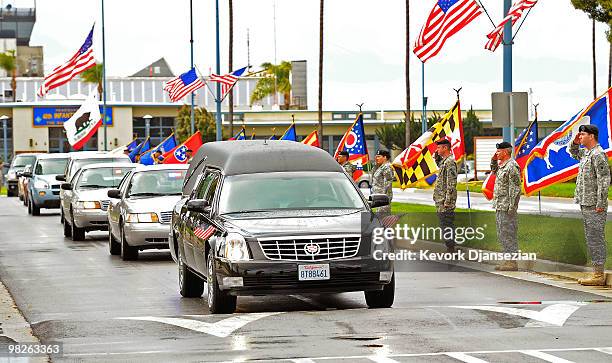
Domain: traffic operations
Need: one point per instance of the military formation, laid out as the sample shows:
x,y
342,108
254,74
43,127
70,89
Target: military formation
x,y
591,194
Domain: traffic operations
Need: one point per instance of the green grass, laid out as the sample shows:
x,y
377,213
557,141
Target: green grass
x,y
551,238
2,191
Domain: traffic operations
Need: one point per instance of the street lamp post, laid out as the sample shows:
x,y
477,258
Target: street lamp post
x,y
4,119
147,119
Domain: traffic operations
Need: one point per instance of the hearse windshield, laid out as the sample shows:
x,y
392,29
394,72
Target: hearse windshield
x,y
288,191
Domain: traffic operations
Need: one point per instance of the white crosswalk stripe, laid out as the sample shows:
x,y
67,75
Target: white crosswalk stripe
x,y
465,358
545,356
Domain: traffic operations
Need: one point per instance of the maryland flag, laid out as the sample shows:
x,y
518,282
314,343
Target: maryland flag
x,y
312,139
417,161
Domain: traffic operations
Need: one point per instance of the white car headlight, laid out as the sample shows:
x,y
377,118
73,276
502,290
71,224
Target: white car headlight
x,y
89,205
41,184
12,175
142,218
236,248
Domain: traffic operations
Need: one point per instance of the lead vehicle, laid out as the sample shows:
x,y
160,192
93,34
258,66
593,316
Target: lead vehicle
x,y
275,217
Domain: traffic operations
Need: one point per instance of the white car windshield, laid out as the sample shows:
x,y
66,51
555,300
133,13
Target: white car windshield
x,y
159,182
50,166
288,191
21,161
101,178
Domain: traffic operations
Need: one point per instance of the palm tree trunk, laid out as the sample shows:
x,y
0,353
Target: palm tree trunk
x,y
320,114
407,73
14,83
230,113
594,64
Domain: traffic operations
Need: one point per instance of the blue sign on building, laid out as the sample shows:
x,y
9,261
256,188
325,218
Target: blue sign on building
x,y
56,116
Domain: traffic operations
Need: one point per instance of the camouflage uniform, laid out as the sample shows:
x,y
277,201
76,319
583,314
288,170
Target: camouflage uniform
x,y
506,196
591,193
445,197
349,169
382,183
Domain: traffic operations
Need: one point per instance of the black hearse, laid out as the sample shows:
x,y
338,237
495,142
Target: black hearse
x,y
268,217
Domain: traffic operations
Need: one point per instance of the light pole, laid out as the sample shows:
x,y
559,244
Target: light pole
x,y
147,119
104,82
192,118
218,122
4,119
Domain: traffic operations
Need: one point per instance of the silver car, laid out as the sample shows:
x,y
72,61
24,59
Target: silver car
x,y
78,159
85,200
141,208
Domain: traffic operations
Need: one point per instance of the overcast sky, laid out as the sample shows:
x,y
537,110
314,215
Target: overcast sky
x,y
364,49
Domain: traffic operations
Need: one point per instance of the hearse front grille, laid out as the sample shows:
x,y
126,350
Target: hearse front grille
x,y
310,248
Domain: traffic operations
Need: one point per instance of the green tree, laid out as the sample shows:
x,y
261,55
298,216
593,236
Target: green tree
x,y
204,122
9,64
94,75
471,127
276,79
394,136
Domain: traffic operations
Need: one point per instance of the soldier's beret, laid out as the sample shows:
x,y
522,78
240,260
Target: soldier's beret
x,y
503,145
589,129
343,153
384,153
443,142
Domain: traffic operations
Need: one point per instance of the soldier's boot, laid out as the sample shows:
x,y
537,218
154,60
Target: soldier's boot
x,y
507,266
597,278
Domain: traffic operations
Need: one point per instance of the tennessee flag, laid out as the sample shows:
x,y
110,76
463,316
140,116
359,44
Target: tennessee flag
x,y
178,155
354,143
312,139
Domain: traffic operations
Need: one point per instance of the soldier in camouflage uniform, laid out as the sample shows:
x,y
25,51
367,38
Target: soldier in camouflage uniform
x,y
506,196
349,168
592,196
445,192
382,178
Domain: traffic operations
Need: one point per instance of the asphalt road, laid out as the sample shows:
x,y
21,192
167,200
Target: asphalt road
x,y
103,309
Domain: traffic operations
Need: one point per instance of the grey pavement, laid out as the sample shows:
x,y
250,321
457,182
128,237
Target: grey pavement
x,y
103,309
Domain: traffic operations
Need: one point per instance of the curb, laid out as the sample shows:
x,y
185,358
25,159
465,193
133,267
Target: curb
x,y
543,267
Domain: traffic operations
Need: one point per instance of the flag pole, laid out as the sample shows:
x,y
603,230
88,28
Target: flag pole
x,y
424,113
218,100
104,82
191,46
467,181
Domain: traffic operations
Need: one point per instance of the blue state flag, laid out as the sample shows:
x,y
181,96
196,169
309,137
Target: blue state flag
x,y
550,162
132,144
290,134
168,144
145,145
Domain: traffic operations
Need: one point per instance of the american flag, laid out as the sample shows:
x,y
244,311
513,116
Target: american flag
x,y
183,85
81,61
514,14
227,81
204,233
446,19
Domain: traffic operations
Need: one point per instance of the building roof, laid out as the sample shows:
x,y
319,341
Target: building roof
x,y
258,156
159,68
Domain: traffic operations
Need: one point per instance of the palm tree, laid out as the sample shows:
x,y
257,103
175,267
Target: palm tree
x,y
276,77
407,72
320,113
94,75
9,64
231,65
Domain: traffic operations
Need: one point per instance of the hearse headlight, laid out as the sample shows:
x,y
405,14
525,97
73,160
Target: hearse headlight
x,y
89,205
236,248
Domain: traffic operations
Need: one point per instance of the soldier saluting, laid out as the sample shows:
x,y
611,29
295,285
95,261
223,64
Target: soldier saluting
x,y
445,191
506,196
382,178
592,195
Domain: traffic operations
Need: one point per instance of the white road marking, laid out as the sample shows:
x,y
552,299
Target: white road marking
x,y
604,350
381,359
545,356
465,358
222,328
555,315
303,360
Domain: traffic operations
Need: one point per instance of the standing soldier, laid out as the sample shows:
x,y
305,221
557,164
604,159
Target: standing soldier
x,y
382,178
157,157
506,196
349,168
592,196
445,192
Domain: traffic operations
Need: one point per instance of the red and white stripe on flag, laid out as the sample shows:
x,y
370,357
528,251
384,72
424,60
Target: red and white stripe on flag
x,y
82,60
204,233
446,19
514,14
227,81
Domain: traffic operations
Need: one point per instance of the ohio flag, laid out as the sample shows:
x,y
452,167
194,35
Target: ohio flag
x,y
354,143
550,161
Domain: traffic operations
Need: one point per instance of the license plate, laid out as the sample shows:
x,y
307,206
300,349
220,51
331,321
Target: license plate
x,y
313,272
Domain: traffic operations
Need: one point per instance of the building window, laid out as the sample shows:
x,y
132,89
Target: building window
x,y
160,128
58,143
9,140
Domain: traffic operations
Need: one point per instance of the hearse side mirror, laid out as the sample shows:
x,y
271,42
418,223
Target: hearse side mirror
x,y
66,186
60,178
198,206
378,200
114,193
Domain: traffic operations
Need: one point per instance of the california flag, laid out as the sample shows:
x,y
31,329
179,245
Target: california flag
x,y
84,123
